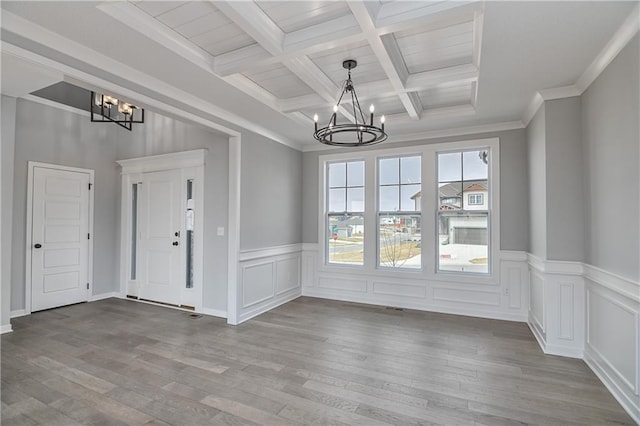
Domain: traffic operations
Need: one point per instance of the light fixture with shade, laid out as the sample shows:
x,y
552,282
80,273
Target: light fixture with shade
x,y
356,133
108,109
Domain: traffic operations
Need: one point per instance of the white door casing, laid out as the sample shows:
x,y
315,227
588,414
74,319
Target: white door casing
x,y
151,175
160,222
58,243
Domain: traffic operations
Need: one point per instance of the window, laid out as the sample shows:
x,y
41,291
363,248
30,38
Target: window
x,y
373,204
476,199
463,231
345,212
399,218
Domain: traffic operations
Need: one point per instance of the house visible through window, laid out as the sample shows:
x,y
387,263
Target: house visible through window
x,y
463,234
399,235
345,212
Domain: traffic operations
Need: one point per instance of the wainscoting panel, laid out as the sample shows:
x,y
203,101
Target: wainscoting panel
x,y
502,296
613,337
537,300
268,278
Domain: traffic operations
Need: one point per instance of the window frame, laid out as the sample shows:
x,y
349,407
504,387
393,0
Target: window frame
x,y
329,213
380,213
429,217
475,196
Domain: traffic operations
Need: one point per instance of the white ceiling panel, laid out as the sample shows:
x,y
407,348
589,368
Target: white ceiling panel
x,y
155,8
439,97
429,50
185,13
293,16
368,69
279,81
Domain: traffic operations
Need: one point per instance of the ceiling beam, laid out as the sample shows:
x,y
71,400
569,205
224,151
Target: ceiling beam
x,y
308,72
252,20
388,53
341,31
448,77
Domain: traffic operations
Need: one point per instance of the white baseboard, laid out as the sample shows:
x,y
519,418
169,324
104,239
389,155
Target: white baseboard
x,y
213,312
558,350
273,303
600,370
18,313
328,294
5,329
102,296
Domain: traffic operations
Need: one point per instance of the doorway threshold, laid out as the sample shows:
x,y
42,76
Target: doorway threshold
x,y
167,305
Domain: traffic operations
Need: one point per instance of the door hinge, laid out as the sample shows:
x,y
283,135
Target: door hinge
x,y
88,236
90,185
87,286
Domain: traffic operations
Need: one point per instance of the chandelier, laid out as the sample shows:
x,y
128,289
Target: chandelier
x,y
106,108
357,133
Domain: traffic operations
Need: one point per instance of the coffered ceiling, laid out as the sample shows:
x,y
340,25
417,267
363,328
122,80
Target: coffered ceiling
x,y
271,65
414,58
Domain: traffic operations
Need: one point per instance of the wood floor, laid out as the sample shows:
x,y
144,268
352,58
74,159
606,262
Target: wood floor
x,y
310,361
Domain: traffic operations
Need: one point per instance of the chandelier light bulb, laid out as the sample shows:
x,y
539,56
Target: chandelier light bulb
x,y
357,130
315,118
382,119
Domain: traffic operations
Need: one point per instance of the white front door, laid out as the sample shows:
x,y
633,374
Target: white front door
x,y
160,242
59,238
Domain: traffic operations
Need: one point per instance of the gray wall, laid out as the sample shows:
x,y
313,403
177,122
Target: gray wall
x,y
64,138
8,107
270,194
565,189
610,134
514,199
536,158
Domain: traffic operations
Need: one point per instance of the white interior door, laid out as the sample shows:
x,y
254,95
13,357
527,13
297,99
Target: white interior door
x,y
59,238
160,242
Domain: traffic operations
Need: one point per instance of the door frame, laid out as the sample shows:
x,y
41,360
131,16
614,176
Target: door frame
x,y
131,171
31,165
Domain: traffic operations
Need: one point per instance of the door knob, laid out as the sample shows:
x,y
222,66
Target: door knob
x,y
175,243
37,245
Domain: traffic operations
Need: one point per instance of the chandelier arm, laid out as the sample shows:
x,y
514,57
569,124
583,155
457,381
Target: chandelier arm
x,y
355,95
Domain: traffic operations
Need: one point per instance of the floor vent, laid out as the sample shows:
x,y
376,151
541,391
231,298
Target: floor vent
x,y
394,309
194,316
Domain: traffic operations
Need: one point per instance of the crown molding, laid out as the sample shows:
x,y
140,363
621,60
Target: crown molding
x,y
620,39
435,134
151,85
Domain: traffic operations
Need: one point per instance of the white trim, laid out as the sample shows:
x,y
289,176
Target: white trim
x,y
549,349
624,286
614,46
532,108
213,312
233,241
190,164
52,104
269,306
103,296
513,255
155,163
595,364
269,251
324,293
18,313
5,329
556,267
622,36
29,226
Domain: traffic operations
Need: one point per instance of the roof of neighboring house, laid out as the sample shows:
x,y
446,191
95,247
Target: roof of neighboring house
x,y
451,189
356,220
